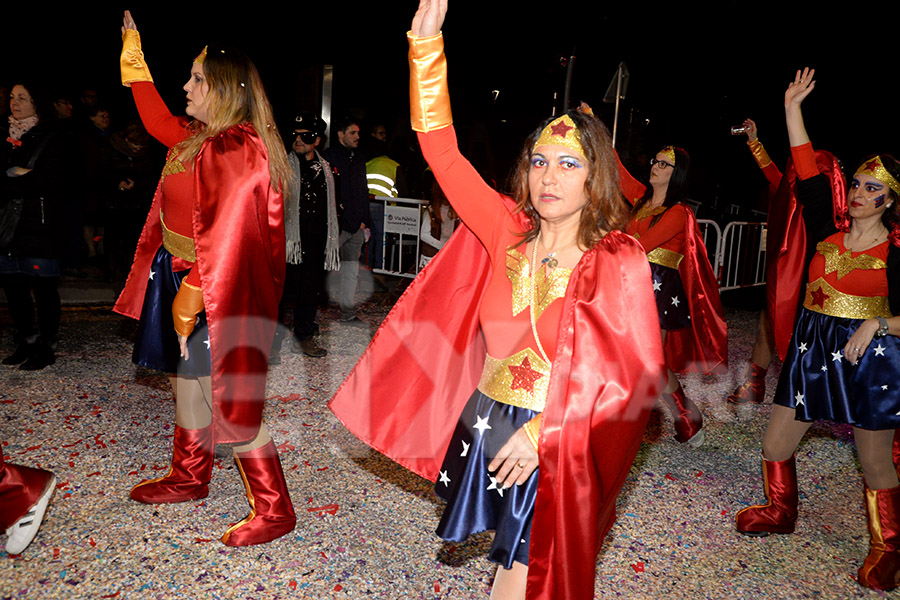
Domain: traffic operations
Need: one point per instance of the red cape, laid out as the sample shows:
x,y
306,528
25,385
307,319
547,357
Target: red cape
x,y
238,227
408,389
702,347
786,245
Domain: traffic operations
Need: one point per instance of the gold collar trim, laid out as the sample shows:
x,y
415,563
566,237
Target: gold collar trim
x,y
846,262
551,283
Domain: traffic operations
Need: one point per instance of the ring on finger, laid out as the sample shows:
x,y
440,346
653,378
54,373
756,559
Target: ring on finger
x,y
520,465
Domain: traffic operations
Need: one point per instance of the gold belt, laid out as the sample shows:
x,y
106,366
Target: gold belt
x,y
177,244
519,380
823,298
666,258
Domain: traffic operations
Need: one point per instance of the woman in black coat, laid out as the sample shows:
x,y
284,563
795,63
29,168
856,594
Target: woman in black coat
x,y
35,160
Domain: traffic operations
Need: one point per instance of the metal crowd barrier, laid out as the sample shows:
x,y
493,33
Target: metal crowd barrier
x,y
400,242
742,258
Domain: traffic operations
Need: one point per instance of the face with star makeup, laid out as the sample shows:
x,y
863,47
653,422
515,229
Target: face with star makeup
x,y
556,182
868,196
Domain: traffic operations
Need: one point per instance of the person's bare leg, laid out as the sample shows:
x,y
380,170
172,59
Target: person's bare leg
x,y
874,449
193,401
262,438
509,584
783,434
764,346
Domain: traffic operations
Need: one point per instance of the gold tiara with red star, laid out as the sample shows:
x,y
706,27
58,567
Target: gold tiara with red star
x,y
875,168
669,152
562,132
201,58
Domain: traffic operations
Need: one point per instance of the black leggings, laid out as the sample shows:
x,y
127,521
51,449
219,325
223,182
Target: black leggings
x,y
18,289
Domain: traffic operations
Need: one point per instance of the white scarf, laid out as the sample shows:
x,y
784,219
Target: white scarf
x,y
292,216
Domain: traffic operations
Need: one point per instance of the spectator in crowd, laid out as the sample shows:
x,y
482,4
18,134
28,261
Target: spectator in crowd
x,y
355,220
37,161
384,177
129,183
94,142
313,237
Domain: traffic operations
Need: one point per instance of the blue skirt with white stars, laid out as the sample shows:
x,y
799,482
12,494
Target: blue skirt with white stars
x,y
671,300
156,343
821,384
475,501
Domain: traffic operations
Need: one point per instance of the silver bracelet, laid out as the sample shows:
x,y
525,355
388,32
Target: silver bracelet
x,y
882,327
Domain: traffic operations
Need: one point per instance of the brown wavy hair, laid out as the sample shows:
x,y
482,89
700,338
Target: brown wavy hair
x,y
606,209
236,95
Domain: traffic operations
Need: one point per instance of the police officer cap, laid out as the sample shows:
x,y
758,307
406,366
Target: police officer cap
x,y
310,122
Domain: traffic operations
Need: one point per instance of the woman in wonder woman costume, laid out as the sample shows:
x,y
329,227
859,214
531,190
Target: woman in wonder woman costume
x,y
685,287
543,307
843,362
207,278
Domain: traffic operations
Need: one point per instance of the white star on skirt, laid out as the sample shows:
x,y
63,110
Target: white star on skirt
x,y
482,424
495,485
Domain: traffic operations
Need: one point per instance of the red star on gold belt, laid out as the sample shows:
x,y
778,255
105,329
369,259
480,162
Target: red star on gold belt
x,y
524,376
819,297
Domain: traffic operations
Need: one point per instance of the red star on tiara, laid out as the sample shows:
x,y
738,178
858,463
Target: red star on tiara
x,y
872,165
561,129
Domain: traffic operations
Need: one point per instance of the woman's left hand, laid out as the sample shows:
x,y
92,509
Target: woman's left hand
x,y
860,340
516,460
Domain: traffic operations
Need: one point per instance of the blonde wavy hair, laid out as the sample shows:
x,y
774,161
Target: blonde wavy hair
x,y
236,95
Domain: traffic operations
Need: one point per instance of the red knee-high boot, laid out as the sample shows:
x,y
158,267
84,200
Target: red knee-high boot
x,y
754,387
687,416
779,513
881,570
188,478
271,512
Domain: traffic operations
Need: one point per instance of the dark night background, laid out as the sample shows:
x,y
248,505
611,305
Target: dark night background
x,y
694,72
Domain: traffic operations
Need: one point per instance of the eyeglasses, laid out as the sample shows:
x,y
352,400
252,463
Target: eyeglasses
x,y
663,165
307,137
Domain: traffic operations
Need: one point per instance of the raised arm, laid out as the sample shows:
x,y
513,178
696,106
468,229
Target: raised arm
x,y
479,206
769,169
801,148
159,122
632,189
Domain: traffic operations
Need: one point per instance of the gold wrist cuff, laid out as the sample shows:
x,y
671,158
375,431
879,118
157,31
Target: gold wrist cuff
x,y
429,99
187,305
533,430
760,154
131,61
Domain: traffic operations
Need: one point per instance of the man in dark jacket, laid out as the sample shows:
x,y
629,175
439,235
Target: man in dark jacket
x,y
353,200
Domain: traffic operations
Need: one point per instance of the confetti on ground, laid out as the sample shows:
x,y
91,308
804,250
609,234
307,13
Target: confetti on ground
x,y
103,425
